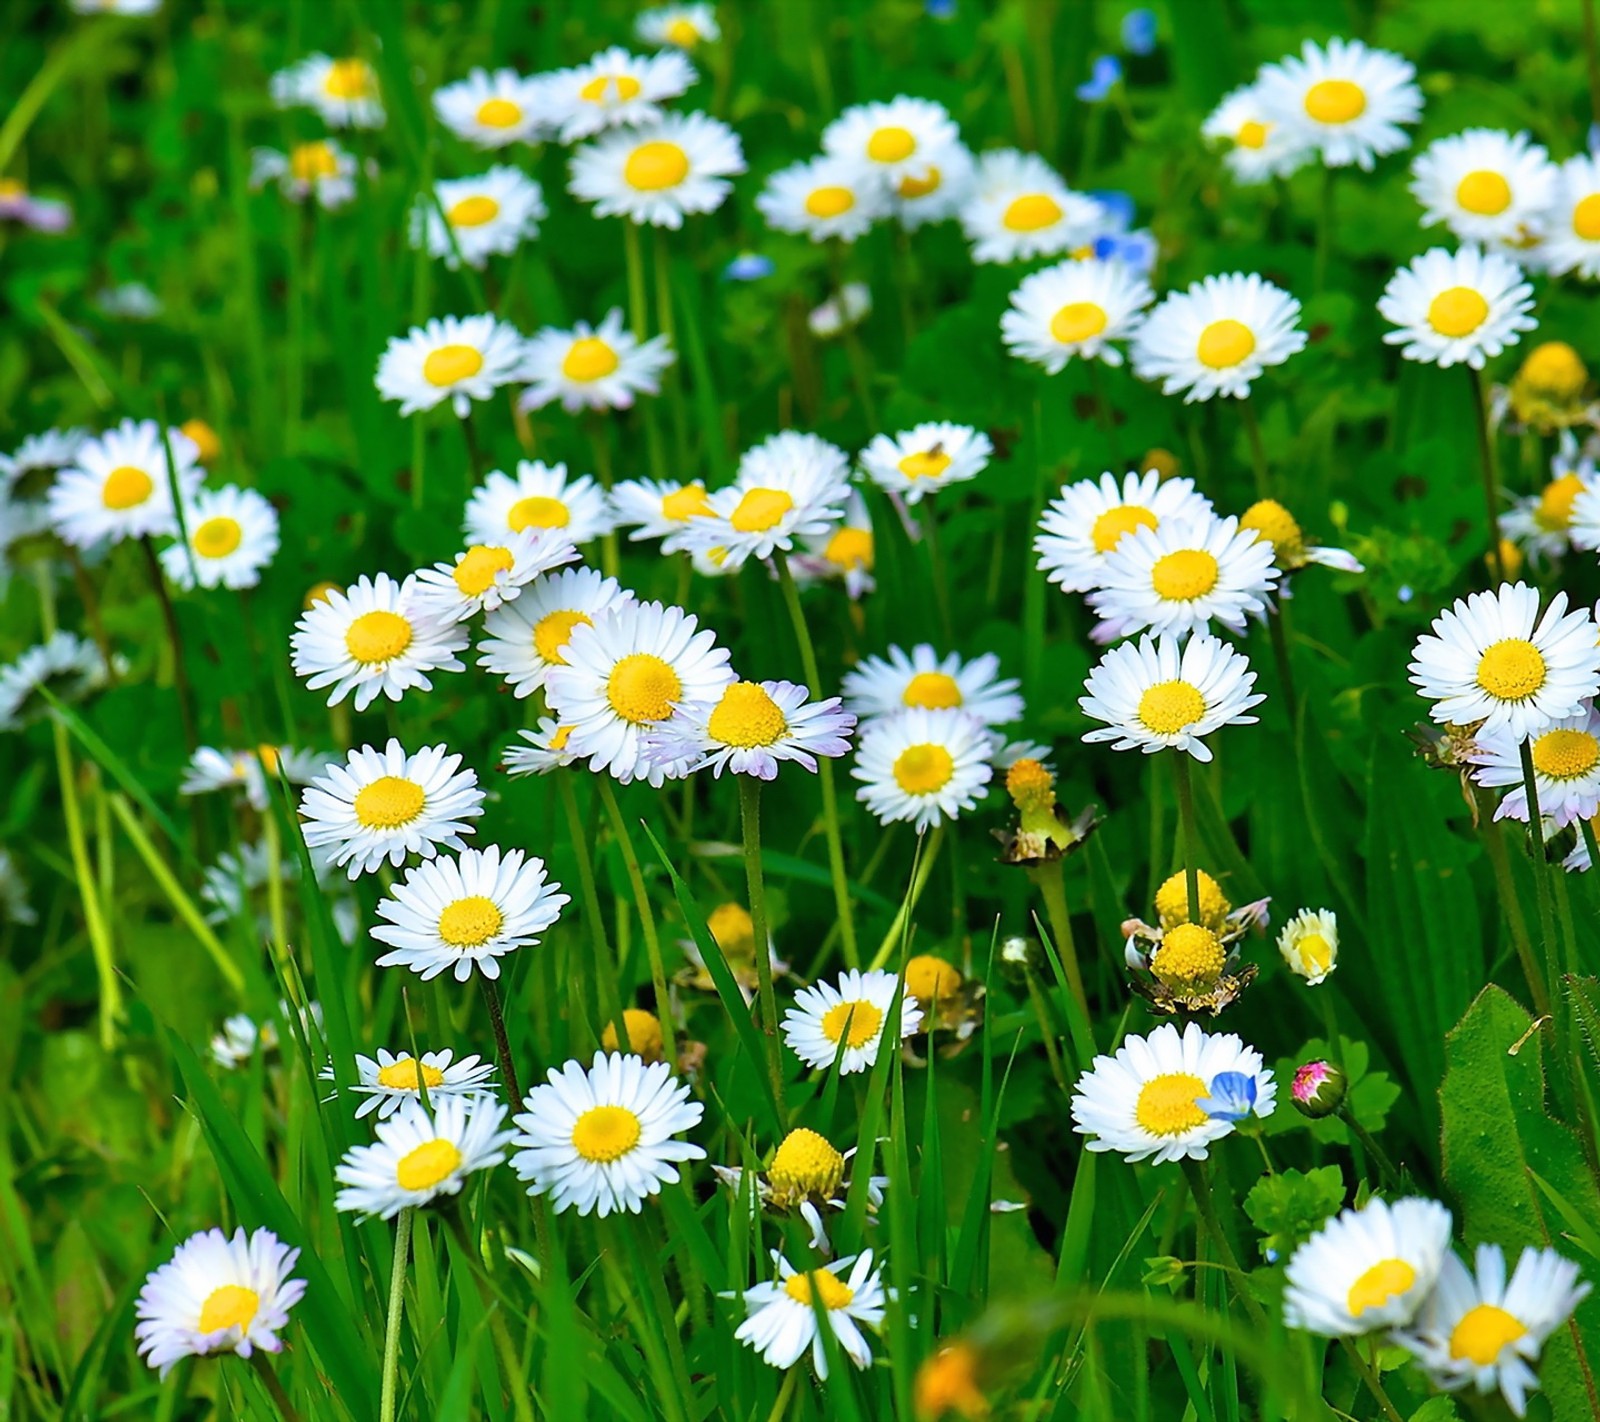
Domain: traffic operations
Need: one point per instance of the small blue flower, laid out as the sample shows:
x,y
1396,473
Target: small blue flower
x,y
1135,250
748,266
1233,1096
1139,31
940,9
1594,138
1104,77
1118,205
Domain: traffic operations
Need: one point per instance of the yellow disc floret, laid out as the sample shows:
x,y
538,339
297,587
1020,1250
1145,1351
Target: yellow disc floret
x,y
1172,901
1190,956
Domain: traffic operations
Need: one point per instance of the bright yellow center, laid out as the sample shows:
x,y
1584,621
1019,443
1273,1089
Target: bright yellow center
x,y
1484,1333
537,511
654,166
1251,134
1553,367
1172,901
1315,952
924,464
1384,1281
377,636
428,1165
1484,192
933,690
862,1017
644,1033
1274,524
605,1133
929,978
473,211
1335,101
1225,343
449,364
682,33
830,201
746,716
589,358
824,1284
1078,321
1170,706
916,187
1110,527
553,631
642,688
126,487
686,503
231,1306
622,87
1184,575
558,741
1554,510
760,509
499,113
1030,212
1565,754
850,548
1028,781
217,537
348,79
268,756
470,922
891,145
805,1165
733,929
1457,311
1189,954
1511,670
1166,1105
476,572
923,769
1586,218
389,802
310,161
407,1074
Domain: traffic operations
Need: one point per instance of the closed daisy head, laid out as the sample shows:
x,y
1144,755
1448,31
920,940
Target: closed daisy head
x,y
387,1082
1344,100
1157,696
1309,944
790,486
1566,768
1454,307
658,508
489,575
472,219
1151,1100
883,686
344,92
1256,147
922,766
677,165
455,358
218,1295
1075,308
823,198
527,639
120,484
781,1315
845,1022
1571,226
232,535
1021,208
614,89
918,461
750,729
491,110
1090,519
604,1140
1217,337
1484,185
539,496
420,1155
592,367
322,169
891,141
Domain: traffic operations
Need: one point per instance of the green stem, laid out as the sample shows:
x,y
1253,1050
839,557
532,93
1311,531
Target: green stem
x,y
785,1394
269,1380
1541,870
391,1332
516,1383
927,856
941,584
1491,477
1280,654
1051,882
1191,866
180,673
89,895
1103,412
1319,270
1258,450
1370,1377
502,1043
750,825
1370,1144
1200,1188
608,1002
1494,845
634,256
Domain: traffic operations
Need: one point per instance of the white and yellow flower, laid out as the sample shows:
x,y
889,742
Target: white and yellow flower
x,y
750,729
1256,147
1566,768
1570,230
389,1081
1088,520
526,640
1564,514
232,537
1075,308
1217,337
1309,944
1346,101
846,552
539,497
420,1156
681,26
321,169
592,367
343,91
120,484
845,1023
824,198
491,110
659,508
781,1314
489,575
916,462
922,766
69,667
883,686
938,191
455,358
678,165
1451,307
545,749
791,486
472,219
253,771
891,141
1021,208
1485,185
613,89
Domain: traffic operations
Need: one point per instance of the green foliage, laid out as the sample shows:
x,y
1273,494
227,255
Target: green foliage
x,y
1290,1206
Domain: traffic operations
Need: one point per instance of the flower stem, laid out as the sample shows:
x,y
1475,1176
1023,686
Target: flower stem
x,y
180,674
1280,654
391,1332
1050,879
1541,870
1191,867
502,1043
1373,1382
1491,477
88,892
750,825
1103,411
1200,1188
269,1380
607,1001
1369,1144
1258,451
516,1385
637,309
1325,223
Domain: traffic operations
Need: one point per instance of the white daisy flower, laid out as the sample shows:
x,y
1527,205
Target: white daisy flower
x,y
938,191
1090,519
613,89
603,1141
916,462
891,141
1152,1098
28,471
1369,1269
526,640
1157,696
491,110
1347,101
883,686
1021,208
321,169
232,537
242,1036
66,665
624,672
1566,768
455,358
922,766
1456,306
844,1022
218,1295
373,639
14,905
488,576
490,215
236,890
343,91
119,484
1571,226
1491,658
115,7
253,771
1182,574
781,1315
418,1157
847,307
1477,1328
1075,308
681,26
656,508
539,497
750,729
467,912
1217,337
824,198
389,1082
1484,185
1258,148
546,750
1564,514
592,367
1309,944
678,165
381,806
846,552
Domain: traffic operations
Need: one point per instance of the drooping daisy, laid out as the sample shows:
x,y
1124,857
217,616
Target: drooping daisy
x,y
490,215
253,771
1157,696
1089,520
218,1295
526,640
679,164
343,91
655,508
845,1022
419,1155
1566,768
540,496
232,537
1147,1100
1075,308
1257,149
1564,514
750,729
592,367
455,358
1456,306
604,1140
613,89
1217,337
846,552
1477,1328
1347,101
1491,658
1021,208
624,671
891,141
1369,1269
388,1082
69,667
1309,944
882,686
922,766
489,575
938,191
824,198
375,640
1292,549
120,485
491,110
1484,185
1182,574
467,912
1571,226
916,462
384,805
322,169
781,1315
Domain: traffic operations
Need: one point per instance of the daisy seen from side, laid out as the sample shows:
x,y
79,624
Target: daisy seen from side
x,y
254,771
781,1314
321,169
681,26
883,686
658,508
610,90
421,1154
343,91
1309,944
751,729
388,1081
1571,226
489,575
1566,768
1256,148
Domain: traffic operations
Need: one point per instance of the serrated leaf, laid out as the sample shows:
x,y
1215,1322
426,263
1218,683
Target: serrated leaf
x,y
1289,1207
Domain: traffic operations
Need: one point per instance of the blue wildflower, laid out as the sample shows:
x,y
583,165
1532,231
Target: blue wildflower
x,y
1119,207
1105,76
1233,1096
748,266
1139,31
940,9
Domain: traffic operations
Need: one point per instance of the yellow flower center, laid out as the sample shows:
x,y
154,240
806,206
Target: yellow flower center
x,y
1511,670
553,631
1553,367
642,688
1484,192
1225,343
377,636
915,187
830,201
407,1074
625,87
654,166
1110,527
805,1165
1170,706
1252,134
389,802
499,113
348,79
1274,524
1315,952
428,1165
934,690
589,358
217,537
310,161
126,487
1554,510
470,922
605,1133
746,716
1565,754
1384,1281
923,769
558,740
1078,321
822,1284
1586,218
1172,901
1166,1104
231,1306
924,464
476,572
861,1017
1030,212
850,548
1028,781
682,33
1483,1333
644,1033
1184,575
1335,101
268,756
1457,311
929,978
205,439
473,211
760,509
537,511
891,145
733,929
449,364
1189,954
686,503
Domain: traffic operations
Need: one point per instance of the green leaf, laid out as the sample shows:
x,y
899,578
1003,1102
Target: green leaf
x,y
1290,1206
